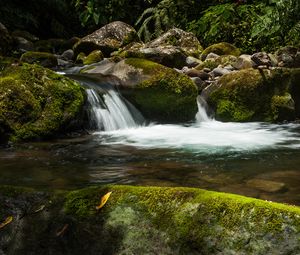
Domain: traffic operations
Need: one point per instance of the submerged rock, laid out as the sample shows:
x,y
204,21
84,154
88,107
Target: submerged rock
x,y
108,38
266,185
36,103
159,92
145,220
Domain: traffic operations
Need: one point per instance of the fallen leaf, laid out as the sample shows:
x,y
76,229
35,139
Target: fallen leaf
x,y
103,200
7,221
63,230
41,208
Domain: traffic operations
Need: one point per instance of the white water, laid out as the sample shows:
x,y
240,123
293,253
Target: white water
x,y
205,135
111,113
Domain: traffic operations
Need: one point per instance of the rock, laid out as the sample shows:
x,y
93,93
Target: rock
x,y
256,95
37,103
6,41
261,59
170,49
108,38
80,58
273,59
192,62
68,55
287,57
222,61
42,58
51,45
212,55
220,71
197,73
222,48
26,35
160,93
199,83
145,220
94,57
243,62
23,44
266,185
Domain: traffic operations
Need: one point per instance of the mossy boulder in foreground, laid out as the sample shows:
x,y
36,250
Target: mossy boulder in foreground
x,y
145,220
256,95
36,102
159,92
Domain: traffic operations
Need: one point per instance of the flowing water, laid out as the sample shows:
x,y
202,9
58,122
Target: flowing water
x,y
255,159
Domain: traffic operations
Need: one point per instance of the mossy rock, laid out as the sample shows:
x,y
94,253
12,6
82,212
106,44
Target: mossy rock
x,y
222,48
6,41
37,103
94,57
145,220
256,95
166,95
42,58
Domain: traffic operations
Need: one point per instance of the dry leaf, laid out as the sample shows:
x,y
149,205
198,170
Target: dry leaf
x,y
103,200
63,230
7,221
41,208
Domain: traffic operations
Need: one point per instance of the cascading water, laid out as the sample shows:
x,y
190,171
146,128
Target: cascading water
x,y
202,110
109,113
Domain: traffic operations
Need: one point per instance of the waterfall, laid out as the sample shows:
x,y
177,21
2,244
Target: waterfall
x,y
111,112
202,115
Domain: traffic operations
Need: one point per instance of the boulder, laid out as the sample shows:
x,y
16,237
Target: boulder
x,y
288,56
160,93
67,55
37,103
109,38
44,59
26,35
256,95
145,220
170,49
6,41
192,61
23,44
261,59
222,48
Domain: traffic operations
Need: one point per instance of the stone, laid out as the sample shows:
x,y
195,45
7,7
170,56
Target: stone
x,y
42,58
243,62
36,103
266,185
222,48
192,62
68,55
108,38
23,44
261,59
94,57
220,71
212,55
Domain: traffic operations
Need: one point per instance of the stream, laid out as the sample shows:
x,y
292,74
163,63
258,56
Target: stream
x,y
259,160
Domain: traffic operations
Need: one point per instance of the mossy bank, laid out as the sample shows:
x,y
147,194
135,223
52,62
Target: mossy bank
x,y
145,220
36,103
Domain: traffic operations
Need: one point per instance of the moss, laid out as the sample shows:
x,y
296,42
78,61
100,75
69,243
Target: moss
x,y
166,96
222,48
253,95
36,102
94,57
154,220
42,58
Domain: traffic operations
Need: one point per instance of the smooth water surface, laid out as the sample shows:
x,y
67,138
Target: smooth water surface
x,y
229,157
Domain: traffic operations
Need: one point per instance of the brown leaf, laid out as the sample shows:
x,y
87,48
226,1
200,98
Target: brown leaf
x,y
103,200
8,220
63,230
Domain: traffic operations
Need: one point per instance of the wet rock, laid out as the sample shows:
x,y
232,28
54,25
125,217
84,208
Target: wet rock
x,y
266,185
240,189
108,38
199,83
94,57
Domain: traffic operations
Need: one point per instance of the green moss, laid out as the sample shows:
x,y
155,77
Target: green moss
x,y
222,48
94,57
253,95
36,102
42,58
166,96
